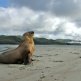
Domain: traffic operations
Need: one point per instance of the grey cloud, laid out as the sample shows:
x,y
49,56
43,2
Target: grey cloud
x,y
66,7
61,8
57,7
33,4
77,22
60,29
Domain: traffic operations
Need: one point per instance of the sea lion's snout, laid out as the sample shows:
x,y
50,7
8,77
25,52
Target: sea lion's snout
x,y
31,32
28,33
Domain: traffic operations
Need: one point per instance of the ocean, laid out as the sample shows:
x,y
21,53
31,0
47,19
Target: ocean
x,y
5,47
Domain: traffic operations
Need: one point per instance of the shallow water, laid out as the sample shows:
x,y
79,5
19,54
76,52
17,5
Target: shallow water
x,y
41,47
6,47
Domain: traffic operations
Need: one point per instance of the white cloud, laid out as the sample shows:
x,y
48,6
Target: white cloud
x,y
14,21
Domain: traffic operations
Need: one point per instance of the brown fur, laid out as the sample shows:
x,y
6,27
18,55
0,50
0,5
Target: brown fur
x,y
22,54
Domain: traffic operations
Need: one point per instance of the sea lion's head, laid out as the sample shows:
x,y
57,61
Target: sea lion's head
x,y
28,35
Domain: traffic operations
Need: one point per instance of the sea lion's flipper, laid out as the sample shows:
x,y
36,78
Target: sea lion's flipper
x,y
27,59
1,59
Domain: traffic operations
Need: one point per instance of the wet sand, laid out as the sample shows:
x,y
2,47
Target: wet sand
x,y
52,63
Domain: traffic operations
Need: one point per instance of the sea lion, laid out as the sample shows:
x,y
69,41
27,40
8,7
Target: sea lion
x,y
22,54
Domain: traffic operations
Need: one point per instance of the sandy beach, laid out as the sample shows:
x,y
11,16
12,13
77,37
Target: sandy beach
x,y
52,63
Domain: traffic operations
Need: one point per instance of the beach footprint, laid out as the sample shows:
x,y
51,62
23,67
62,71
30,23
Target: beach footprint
x,y
42,76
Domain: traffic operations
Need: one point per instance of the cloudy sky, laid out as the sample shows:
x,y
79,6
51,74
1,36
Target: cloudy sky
x,y
48,18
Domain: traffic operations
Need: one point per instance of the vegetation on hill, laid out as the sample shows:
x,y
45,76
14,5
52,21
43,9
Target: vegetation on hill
x,y
10,39
16,40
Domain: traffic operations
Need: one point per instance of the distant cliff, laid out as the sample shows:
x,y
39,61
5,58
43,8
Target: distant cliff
x,y
41,41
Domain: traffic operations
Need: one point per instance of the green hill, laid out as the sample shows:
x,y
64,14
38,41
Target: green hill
x,y
41,41
10,39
